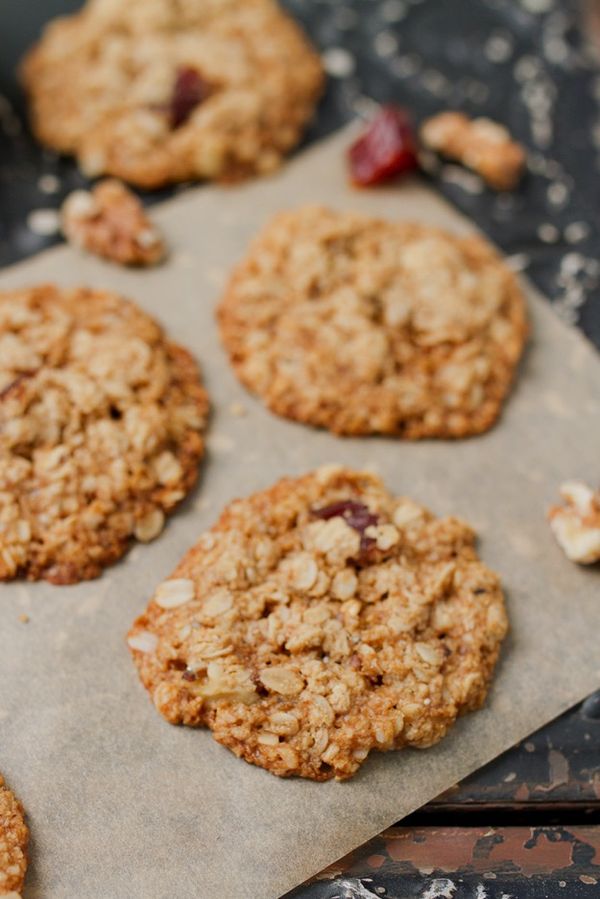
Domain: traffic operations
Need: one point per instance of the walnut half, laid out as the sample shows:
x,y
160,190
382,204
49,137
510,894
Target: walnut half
x,y
576,524
110,221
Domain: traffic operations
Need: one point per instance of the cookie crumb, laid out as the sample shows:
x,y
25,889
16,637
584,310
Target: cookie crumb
x,y
479,144
110,222
576,523
238,409
23,618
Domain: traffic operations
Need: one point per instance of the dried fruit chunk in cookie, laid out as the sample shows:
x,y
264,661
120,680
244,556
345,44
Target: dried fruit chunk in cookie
x,y
14,837
110,221
101,421
480,144
319,620
160,91
576,524
366,326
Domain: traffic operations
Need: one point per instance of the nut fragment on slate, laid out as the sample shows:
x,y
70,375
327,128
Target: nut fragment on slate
x,y
576,524
14,837
479,144
323,619
110,221
101,424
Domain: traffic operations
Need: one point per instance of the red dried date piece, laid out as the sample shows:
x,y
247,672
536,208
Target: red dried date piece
x,y
356,515
189,91
387,148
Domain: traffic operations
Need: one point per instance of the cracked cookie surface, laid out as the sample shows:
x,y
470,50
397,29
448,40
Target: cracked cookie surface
x,y
321,619
101,421
14,837
365,326
162,91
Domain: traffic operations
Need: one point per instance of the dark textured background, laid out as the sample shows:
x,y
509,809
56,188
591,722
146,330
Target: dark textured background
x,y
524,62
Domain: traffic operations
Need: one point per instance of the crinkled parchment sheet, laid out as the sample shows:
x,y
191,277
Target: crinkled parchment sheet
x,y
123,805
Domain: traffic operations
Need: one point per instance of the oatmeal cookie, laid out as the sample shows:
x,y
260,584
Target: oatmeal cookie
x,y
479,144
110,221
160,91
14,836
365,326
321,619
101,421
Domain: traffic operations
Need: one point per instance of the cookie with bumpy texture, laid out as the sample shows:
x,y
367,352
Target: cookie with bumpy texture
x,y
366,326
160,91
101,421
319,620
14,837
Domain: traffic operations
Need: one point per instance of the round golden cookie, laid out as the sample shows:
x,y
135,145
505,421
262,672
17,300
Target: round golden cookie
x,y
101,421
159,91
365,326
14,837
319,620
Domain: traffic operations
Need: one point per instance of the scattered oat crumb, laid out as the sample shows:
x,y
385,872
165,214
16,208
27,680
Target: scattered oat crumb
x,y
111,222
576,524
23,618
238,409
43,222
479,144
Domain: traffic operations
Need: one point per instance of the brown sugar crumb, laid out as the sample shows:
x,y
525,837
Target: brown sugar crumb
x,y
479,144
110,221
14,837
301,648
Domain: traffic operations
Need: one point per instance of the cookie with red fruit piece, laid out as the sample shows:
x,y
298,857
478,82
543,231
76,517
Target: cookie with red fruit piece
x,y
320,620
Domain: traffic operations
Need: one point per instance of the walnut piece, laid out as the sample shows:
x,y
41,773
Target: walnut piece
x,y
479,144
110,221
576,524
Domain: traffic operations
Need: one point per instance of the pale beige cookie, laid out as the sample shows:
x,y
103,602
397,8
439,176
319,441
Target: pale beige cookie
x,y
480,144
110,221
366,326
14,837
101,421
159,91
319,620
576,524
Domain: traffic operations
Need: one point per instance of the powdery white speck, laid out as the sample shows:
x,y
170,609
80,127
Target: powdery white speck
x,y
440,888
548,233
43,222
385,44
338,62
537,7
49,184
393,10
576,231
435,82
498,48
468,181
558,193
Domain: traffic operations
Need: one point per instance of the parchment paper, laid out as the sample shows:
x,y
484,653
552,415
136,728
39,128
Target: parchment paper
x,y
125,806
